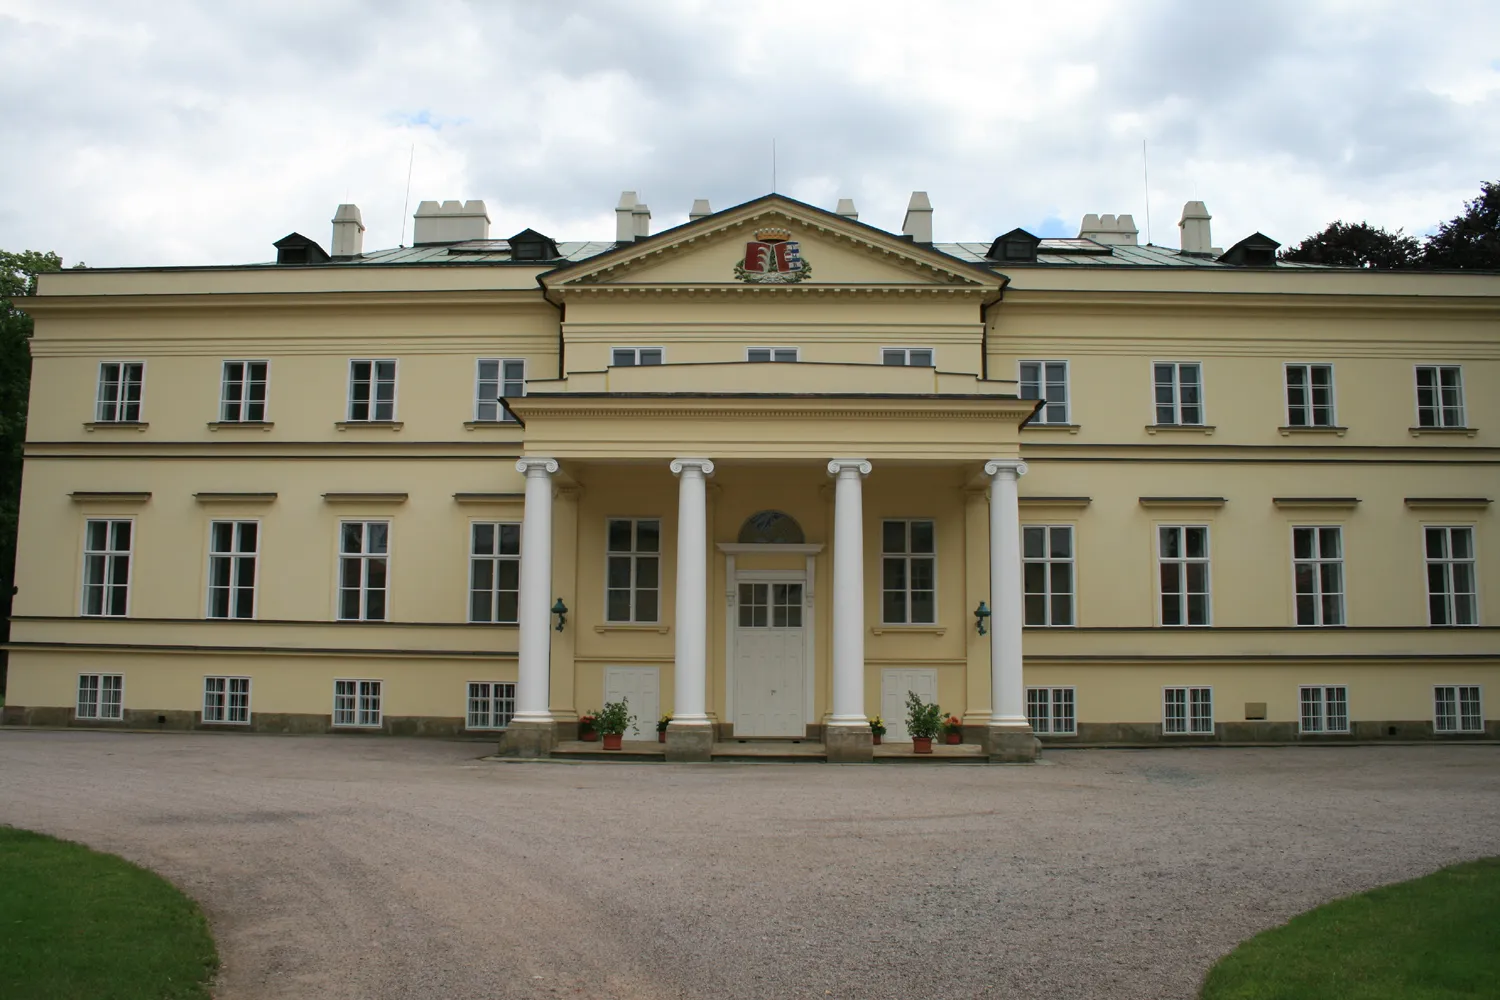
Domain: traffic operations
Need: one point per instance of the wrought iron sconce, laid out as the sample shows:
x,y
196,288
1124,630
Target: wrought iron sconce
x,y
561,611
981,613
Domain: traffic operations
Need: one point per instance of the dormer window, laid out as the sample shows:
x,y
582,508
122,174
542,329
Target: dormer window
x,y
1017,245
529,244
294,248
1255,250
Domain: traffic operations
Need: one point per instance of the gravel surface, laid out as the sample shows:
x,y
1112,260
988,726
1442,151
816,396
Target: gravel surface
x,y
358,867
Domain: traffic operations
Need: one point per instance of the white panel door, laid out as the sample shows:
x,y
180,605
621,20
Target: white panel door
x,y
895,682
770,659
640,687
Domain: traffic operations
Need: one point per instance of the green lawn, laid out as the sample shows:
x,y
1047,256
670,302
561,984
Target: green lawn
x,y
79,925
1433,938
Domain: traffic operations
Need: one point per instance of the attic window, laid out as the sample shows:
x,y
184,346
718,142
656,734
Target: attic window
x,y
1016,245
294,248
1255,250
529,244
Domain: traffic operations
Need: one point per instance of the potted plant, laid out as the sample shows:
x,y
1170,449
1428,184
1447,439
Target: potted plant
x,y
953,730
588,730
613,720
923,720
877,729
661,727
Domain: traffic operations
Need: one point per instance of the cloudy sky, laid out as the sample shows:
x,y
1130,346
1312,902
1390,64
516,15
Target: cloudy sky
x,y
158,132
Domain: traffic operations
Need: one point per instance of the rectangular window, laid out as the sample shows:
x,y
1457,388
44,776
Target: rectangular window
x,y
908,573
1050,710
1188,710
633,570
1183,558
911,357
494,571
1179,393
232,550
1440,396
1309,395
498,377
242,393
1048,574
1318,571
119,399
226,700
1325,709
629,357
1456,709
491,704
372,390
771,354
1046,380
106,567
364,554
356,703
1452,597
101,696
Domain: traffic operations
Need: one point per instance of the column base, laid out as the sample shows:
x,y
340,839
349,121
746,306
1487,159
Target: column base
x,y
1012,745
528,739
849,744
690,741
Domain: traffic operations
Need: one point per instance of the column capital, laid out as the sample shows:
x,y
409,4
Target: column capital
x,y
681,465
839,466
532,464
1012,468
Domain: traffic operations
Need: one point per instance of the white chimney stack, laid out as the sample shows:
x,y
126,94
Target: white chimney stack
x,y
641,213
918,221
1109,229
700,210
624,221
348,232
451,222
1196,237
846,209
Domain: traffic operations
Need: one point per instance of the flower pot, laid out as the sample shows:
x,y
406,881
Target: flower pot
x,y
876,738
954,739
589,736
612,740
661,737
921,744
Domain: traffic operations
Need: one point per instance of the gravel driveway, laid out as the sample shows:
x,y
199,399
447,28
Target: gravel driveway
x,y
336,867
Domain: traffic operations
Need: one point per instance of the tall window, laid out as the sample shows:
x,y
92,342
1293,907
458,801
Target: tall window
x,y
629,357
771,354
1179,393
364,554
1048,574
1050,710
101,696
911,357
226,700
1456,709
494,571
491,704
1325,709
1440,396
498,377
242,393
1046,380
356,703
1451,589
1318,569
908,573
372,390
119,400
232,550
1188,710
1309,395
1183,556
633,573
106,567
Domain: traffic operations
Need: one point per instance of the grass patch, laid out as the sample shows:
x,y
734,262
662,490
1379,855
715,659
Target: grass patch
x,y
77,924
1433,938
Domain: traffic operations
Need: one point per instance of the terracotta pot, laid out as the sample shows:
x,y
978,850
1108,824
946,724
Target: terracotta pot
x,y
955,738
876,738
589,737
661,737
612,740
921,744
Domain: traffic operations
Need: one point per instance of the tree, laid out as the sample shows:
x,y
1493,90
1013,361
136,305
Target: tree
x,y
1470,241
1358,245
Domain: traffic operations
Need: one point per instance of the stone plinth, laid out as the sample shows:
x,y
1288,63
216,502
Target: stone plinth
x,y
849,744
1012,745
690,741
528,739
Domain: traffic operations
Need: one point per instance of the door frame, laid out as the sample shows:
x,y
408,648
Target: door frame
x,y
732,578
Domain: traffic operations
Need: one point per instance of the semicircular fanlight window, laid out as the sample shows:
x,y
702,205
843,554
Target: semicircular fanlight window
x,y
771,527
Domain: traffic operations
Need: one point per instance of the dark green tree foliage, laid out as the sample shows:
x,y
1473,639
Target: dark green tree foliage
x,y
1358,244
1470,241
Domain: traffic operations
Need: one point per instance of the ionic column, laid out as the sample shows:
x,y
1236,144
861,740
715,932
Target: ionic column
x,y
847,734
531,731
690,733
1010,734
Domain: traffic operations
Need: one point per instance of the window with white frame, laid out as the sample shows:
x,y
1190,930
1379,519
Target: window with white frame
x,y
1325,709
1440,396
1046,380
1452,597
633,570
1178,390
497,377
1188,710
233,547
1456,709
372,390
630,357
1183,557
771,354
1309,395
491,704
242,392
911,357
364,559
1047,573
356,703
1318,574
101,696
908,572
106,567
226,700
1051,710
494,570
119,399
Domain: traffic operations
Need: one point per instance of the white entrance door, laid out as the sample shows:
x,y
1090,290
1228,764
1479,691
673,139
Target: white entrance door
x,y
770,657
640,688
895,682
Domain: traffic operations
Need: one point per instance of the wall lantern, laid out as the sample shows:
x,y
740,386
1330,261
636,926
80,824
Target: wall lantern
x,y
980,614
561,611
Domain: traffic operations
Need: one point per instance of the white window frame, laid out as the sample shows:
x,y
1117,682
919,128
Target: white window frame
x,y
1177,404
637,355
121,385
1192,721
358,709
1457,691
1437,371
906,353
110,555
1317,561
235,557
98,687
493,696
364,556
1183,561
635,554
906,558
494,559
1048,560
375,380
502,415
244,383
223,711
1317,697
1042,710
1050,410
1450,592
796,354
1309,406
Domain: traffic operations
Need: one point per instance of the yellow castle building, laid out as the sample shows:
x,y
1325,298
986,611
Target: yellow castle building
x,y
768,471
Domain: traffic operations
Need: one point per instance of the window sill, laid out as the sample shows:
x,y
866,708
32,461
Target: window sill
x,y
116,425
240,425
491,425
384,425
221,722
1288,431
1181,428
909,629
1038,426
1449,431
632,627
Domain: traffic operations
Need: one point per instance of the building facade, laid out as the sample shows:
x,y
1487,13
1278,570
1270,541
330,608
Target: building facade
x,y
768,471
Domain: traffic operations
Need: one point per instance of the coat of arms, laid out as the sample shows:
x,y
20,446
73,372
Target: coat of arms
x,y
772,258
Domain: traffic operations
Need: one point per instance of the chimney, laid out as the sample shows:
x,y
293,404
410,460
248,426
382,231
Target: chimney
x,y
641,213
624,224
700,210
450,222
1196,237
348,232
918,221
846,209
1109,229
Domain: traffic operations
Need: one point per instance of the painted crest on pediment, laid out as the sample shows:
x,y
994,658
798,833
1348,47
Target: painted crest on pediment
x,y
773,258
